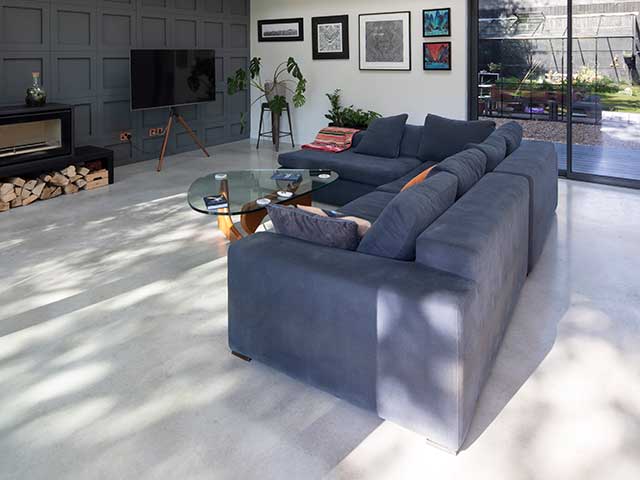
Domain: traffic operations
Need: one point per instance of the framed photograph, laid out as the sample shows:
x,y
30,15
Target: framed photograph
x,y
436,22
385,41
437,56
284,30
330,37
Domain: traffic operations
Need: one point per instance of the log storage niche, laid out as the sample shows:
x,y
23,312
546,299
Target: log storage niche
x,y
22,191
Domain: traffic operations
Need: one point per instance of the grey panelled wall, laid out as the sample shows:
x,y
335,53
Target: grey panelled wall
x,y
82,49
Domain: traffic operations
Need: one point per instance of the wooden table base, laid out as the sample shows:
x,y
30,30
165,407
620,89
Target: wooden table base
x,y
251,221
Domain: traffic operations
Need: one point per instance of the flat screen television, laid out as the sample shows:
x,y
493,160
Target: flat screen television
x,y
169,78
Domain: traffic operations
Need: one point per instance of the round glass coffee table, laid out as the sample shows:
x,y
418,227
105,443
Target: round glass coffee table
x,y
248,192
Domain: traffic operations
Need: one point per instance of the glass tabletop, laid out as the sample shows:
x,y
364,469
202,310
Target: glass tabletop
x,y
247,191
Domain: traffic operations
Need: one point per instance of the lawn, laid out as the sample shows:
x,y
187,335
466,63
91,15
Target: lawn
x,y
619,102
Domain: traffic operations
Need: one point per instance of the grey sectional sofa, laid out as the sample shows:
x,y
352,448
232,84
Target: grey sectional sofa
x,y
412,341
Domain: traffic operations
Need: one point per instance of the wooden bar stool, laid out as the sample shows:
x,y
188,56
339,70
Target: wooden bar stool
x,y
275,139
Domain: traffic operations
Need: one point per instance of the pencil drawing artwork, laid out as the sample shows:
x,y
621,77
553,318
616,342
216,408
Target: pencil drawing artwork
x,y
384,41
330,38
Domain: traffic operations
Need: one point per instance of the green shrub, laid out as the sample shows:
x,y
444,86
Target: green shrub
x,y
348,117
585,80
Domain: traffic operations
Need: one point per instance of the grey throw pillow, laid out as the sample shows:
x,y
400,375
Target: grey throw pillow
x,y
494,147
327,231
468,167
395,232
443,137
383,137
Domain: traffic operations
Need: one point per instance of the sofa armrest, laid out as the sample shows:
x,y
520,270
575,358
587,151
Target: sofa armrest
x,y
483,237
537,162
381,333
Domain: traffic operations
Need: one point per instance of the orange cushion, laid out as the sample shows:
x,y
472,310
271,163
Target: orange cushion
x,y
418,178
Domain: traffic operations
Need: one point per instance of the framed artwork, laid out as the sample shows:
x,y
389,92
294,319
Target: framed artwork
x,y
330,37
385,41
283,30
437,56
436,22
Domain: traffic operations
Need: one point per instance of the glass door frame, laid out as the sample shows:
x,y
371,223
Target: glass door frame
x,y
473,91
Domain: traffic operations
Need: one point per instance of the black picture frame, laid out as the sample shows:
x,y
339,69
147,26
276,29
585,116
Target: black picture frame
x,y
316,22
282,21
408,39
424,23
424,57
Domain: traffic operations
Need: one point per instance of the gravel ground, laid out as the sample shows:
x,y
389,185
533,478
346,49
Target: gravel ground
x,y
615,132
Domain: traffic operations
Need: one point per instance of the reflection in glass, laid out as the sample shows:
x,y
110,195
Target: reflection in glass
x,y
523,76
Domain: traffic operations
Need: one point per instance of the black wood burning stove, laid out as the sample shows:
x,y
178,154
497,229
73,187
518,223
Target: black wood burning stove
x,y
35,140
29,134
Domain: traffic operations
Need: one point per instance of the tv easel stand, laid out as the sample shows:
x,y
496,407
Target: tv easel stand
x,y
167,131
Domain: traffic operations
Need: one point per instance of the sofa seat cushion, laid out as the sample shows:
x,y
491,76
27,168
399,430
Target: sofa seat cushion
x,y
369,206
397,185
443,137
383,137
467,166
495,149
352,166
394,233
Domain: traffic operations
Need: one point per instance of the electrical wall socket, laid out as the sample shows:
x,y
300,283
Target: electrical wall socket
x,y
156,132
125,136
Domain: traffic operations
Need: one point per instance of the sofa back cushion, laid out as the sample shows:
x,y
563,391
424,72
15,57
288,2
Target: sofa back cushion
x,y
383,137
495,149
443,137
512,133
357,138
467,166
394,233
411,140
310,227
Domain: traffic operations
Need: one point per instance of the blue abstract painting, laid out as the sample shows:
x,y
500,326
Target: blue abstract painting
x,y
437,22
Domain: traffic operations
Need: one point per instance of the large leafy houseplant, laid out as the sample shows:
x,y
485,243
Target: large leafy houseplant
x,y
348,117
287,78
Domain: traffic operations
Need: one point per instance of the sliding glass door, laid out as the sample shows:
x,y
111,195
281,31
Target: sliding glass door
x,y
605,126
572,82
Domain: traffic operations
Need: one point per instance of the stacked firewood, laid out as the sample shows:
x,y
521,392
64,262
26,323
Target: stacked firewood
x,y
19,191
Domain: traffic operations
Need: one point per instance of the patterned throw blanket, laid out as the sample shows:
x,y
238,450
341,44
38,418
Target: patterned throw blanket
x,y
333,139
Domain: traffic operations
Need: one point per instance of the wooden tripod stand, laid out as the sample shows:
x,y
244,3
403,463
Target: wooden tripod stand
x,y
167,131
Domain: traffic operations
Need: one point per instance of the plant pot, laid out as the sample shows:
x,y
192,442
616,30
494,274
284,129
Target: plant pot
x,y
275,129
271,92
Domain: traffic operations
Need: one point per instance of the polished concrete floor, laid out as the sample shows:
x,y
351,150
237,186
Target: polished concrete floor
x,y
114,363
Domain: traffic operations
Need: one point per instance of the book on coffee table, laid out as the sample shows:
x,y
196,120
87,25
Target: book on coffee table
x,y
293,177
216,202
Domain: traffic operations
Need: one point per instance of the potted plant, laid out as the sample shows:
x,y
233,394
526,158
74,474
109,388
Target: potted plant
x,y
348,117
287,78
